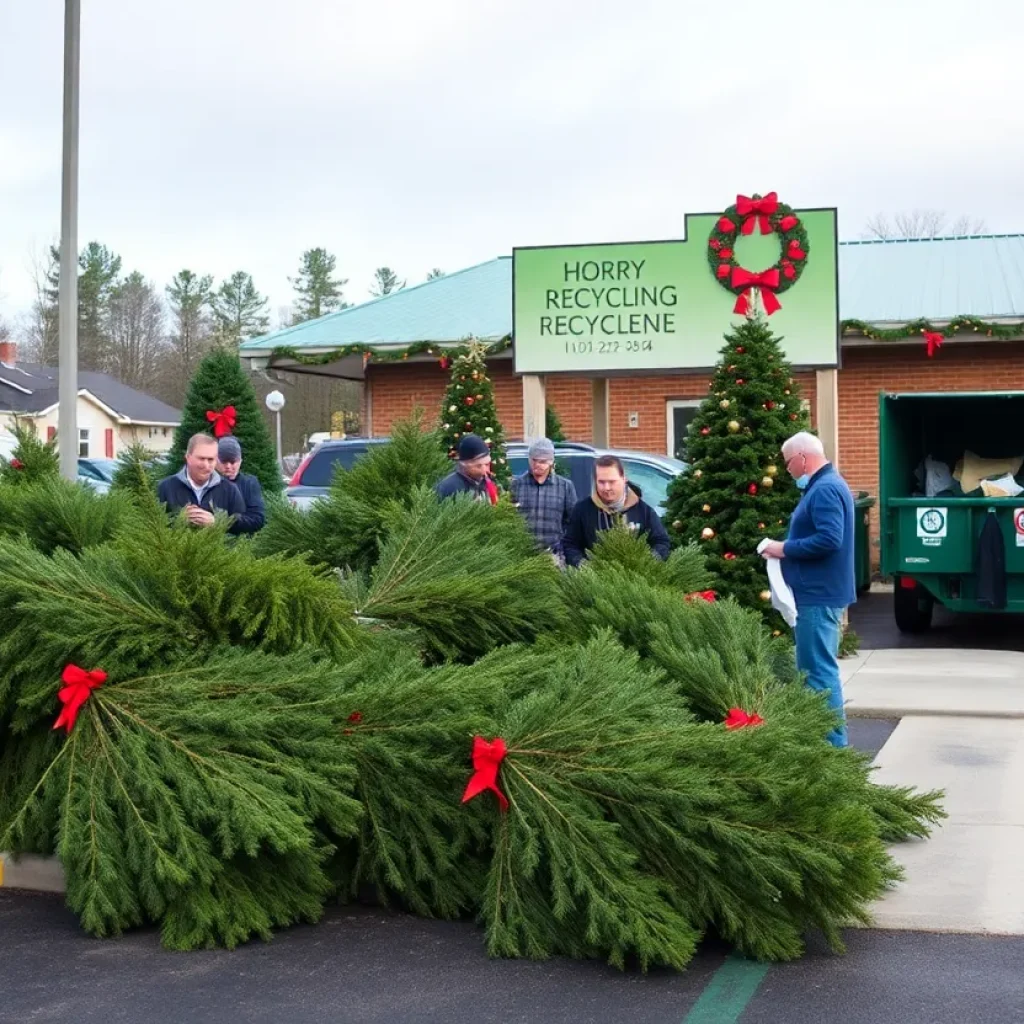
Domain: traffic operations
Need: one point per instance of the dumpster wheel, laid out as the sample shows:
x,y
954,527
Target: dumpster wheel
x,y
913,607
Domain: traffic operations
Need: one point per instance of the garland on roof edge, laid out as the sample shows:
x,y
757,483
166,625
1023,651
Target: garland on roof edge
x,y
1002,332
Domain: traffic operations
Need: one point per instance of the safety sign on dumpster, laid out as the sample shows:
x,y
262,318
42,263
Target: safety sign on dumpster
x,y
1018,526
931,526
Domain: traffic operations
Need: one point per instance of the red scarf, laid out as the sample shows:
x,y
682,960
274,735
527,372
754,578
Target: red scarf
x,y
492,490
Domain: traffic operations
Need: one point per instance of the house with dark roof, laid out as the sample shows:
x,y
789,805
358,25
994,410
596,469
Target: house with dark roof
x,y
111,415
882,284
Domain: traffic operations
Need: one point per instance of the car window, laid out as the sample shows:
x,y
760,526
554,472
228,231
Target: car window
x,y
320,470
518,464
651,480
89,471
580,469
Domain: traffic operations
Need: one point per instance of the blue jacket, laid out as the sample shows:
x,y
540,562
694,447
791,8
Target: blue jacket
x,y
255,515
588,520
219,495
818,563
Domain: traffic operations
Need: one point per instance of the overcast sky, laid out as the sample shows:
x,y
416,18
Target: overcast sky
x,y
233,134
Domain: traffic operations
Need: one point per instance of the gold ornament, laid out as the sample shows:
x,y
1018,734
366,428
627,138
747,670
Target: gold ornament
x,y
677,525
767,481
724,403
734,427
771,470
453,408
706,508
698,473
707,533
776,632
766,595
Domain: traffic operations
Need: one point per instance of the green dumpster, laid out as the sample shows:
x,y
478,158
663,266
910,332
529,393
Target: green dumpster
x,y
930,521
862,541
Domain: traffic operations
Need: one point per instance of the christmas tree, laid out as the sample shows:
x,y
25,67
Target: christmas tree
x,y
221,400
468,408
32,459
737,490
553,425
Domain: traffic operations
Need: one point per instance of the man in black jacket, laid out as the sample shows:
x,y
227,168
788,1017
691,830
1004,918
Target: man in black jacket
x,y
198,488
473,473
613,502
229,465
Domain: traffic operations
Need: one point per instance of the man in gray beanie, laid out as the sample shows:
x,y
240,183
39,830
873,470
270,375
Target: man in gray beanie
x,y
229,465
544,498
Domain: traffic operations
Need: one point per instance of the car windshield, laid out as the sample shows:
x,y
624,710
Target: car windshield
x,y
652,480
320,470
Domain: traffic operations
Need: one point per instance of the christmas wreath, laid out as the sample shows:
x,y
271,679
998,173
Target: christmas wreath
x,y
770,216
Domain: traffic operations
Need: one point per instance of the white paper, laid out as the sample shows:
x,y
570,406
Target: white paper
x,y
782,597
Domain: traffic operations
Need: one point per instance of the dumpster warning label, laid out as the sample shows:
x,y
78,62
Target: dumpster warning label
x,y
931,526
1018,526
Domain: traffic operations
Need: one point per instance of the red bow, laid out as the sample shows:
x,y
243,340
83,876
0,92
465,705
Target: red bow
x,y
223,421
739,719
486,759
757,210
79,684
934,342
16,464
701,595
766,282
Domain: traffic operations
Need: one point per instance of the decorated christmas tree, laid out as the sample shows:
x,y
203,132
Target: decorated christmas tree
x,y
738,491
220,401
468,408
32,459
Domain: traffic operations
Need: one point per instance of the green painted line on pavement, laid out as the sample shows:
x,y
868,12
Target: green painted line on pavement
x,y
728,993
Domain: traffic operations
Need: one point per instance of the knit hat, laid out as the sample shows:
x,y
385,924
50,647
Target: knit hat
x,y
472,447
542,448
229,450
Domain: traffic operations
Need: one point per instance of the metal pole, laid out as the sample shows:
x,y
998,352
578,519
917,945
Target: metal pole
x,y
67,422
280,461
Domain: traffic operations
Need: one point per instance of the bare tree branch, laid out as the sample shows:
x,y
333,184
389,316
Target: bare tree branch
x,y
920,224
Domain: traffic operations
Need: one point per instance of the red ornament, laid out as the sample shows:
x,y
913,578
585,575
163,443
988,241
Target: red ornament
x,y
752,489
766,283
725,225
740,349
739,381
78,687
487,758
714,244
701,595
723,271
470,399
794,252
729,556
769,405
933,340
445,362
788,270
16,464
792,415
757,211
705,431
725,254
223,420
356,716
737,718
788,222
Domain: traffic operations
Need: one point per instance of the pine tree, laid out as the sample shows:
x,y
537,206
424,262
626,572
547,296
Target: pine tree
x,y
220,382
553,425
190,297
385,281
318,290
468,408
239,310
32,459
737,490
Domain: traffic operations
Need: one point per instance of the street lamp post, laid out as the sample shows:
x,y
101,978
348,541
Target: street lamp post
x,y
67,301
275,403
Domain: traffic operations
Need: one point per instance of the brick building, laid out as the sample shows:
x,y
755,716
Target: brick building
x,y
884,284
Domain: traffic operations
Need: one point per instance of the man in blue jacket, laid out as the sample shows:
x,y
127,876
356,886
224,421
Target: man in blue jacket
x,y
229,465
613,502
817,563
198,489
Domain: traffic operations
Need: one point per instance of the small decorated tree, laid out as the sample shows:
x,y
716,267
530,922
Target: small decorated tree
x,y
468,408
737,490
221,400
32,459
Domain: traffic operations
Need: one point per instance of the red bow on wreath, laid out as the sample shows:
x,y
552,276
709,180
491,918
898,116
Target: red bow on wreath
x,y
78,686
766,282
737,718
757,210
487,757
934,342
223,421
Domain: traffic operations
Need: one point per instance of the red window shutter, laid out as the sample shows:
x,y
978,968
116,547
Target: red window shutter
x,y
51,433
108,442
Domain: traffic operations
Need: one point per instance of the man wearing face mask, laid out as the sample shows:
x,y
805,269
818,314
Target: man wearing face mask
x,y
817,563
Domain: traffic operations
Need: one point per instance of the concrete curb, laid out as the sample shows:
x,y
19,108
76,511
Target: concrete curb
x,y
40,874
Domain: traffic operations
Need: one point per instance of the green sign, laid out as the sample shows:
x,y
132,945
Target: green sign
x,y
621,307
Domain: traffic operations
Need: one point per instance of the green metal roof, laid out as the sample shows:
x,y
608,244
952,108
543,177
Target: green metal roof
x,y
879,282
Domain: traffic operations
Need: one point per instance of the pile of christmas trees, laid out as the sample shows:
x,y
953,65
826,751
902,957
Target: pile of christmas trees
x,y
398,696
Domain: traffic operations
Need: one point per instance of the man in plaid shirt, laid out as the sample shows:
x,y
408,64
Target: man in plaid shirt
x,y
544,498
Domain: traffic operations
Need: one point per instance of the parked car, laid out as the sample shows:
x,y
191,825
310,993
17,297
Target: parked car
x,y
97,473
651,473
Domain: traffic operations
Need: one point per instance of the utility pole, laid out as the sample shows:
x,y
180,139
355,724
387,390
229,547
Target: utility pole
x,y
67,422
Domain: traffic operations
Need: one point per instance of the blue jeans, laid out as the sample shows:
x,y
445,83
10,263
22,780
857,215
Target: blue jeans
x,y
818,632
